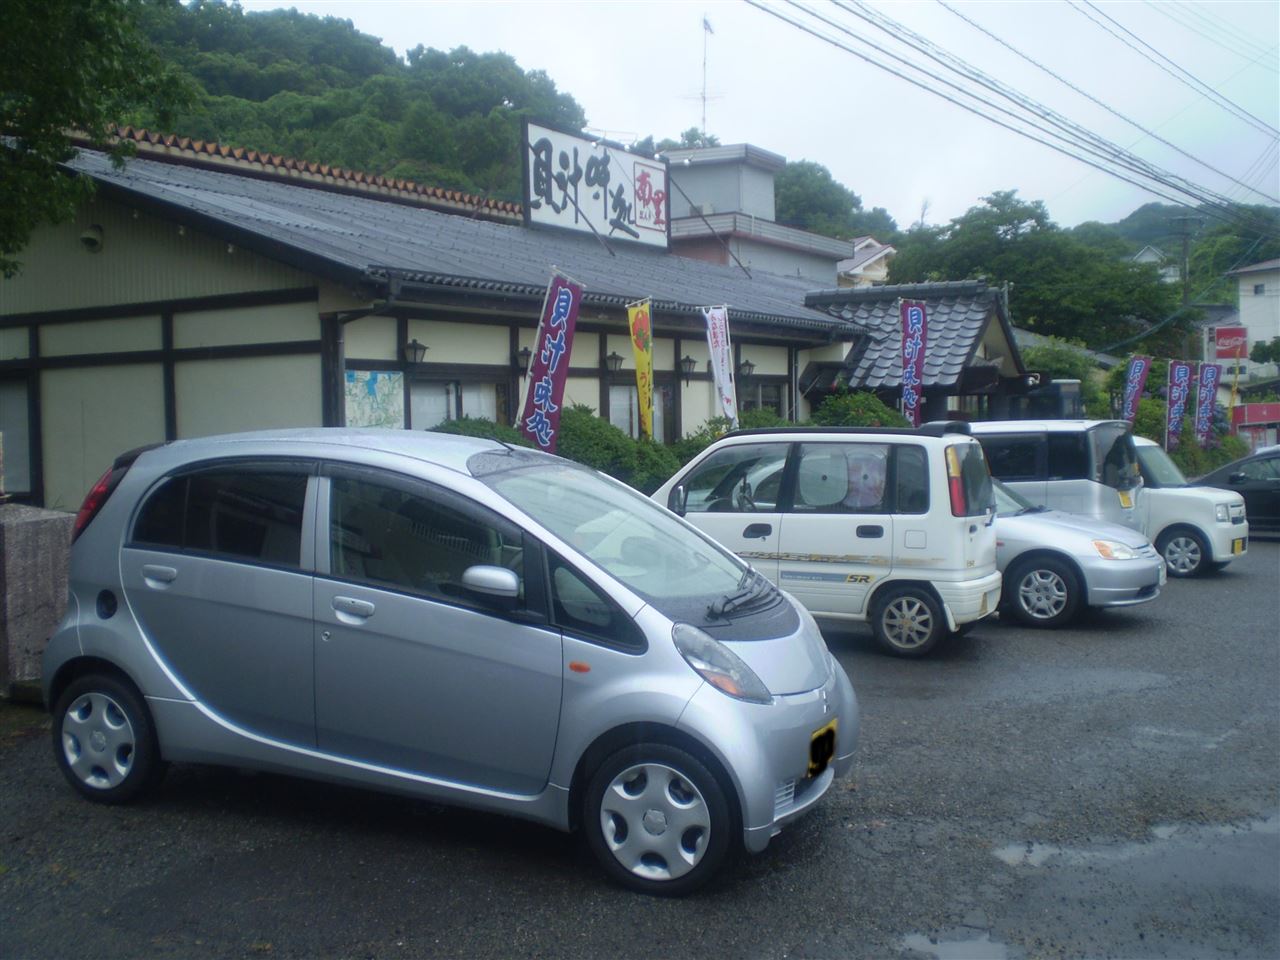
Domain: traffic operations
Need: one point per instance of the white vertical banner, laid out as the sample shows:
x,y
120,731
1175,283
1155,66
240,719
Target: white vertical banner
x,y
722,361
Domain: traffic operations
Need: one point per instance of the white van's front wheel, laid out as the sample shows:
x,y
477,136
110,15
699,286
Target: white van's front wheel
x,y
907,621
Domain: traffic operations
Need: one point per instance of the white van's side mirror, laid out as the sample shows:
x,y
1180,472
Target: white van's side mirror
x,y
679,497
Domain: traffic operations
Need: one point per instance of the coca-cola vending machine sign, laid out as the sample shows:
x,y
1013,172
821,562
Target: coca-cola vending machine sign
x,y
1230,342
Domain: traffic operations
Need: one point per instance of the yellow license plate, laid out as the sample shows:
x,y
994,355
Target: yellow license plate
x,y
822,747
1237,545
1126,498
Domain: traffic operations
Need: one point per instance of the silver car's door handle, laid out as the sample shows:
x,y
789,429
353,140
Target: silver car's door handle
x,y
353,607
158,576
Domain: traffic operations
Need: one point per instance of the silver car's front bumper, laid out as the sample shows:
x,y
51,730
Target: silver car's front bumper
x,y
1122,583
765,749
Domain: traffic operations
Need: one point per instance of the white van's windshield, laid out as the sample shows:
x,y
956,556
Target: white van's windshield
x,y
1158,470
621,531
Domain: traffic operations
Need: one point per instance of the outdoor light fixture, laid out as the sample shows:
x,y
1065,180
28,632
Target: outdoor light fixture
x,y
687,366
522,360
613,362
745,369
414,352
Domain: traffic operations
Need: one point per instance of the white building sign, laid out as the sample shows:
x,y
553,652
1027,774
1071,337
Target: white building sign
x,y
588,185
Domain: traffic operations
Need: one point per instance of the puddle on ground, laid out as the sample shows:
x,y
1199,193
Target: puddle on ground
x,y
980,948
1038,854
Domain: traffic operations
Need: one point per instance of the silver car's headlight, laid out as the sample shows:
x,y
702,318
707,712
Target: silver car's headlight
x,y
1113,550
1221,512
718,665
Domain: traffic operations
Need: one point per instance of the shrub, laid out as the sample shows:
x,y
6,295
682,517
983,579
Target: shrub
x,y
480,427
654,465
857,409
596,442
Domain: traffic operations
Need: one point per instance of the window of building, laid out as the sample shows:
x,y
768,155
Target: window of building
x,y
15,430
236,512
763,395
416,541
624,409
433,402
1259,289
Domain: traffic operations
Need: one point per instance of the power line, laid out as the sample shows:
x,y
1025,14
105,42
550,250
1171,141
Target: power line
x,y
1074,135
1193,82
1100,103
1181,14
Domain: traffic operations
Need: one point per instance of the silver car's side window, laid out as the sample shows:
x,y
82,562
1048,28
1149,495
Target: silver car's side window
x,y
390,536
580,609
230,512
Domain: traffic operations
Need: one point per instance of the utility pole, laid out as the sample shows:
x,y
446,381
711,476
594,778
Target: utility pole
x,y
1185,223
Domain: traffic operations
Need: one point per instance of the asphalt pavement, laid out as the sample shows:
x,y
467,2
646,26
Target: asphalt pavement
x,y
1108,790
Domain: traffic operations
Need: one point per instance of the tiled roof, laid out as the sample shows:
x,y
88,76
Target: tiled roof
x,y
958,313
220,156
354,238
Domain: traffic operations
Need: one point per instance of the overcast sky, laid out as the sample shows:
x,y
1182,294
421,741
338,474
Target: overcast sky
x,y
637,69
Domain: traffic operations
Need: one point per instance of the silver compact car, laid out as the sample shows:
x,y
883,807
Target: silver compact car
x,y
448,618
1054,563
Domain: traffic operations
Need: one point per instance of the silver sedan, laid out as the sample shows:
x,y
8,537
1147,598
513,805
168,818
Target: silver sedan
x,y
1054,563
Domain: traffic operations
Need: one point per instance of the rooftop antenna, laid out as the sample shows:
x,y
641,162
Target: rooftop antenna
x,y
706,32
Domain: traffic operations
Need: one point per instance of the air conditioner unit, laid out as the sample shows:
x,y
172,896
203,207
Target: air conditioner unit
x,y
706,209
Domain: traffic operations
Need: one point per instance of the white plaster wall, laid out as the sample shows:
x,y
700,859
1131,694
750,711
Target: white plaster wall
x,y
461,342
100,336
89,417
370,338
265,324
224,396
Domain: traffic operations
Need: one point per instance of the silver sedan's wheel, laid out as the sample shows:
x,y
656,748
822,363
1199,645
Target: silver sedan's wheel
x,y
658,820
98,741
104,741
907,621
1043,591
655,821
1184,552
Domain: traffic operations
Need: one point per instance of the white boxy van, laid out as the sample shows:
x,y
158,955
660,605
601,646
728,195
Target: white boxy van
x,y
886,525
1196,529
1089,467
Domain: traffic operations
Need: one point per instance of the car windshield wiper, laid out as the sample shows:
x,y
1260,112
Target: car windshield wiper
x,y
1033,508
753,589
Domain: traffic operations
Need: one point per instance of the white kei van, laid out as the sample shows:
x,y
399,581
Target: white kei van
x,y
887,525
1089,467
1196,529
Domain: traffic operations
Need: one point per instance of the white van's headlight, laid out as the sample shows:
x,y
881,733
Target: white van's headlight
x,y
1221,512
1113,550
718,665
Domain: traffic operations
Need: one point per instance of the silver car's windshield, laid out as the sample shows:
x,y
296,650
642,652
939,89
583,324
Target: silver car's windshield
x,y
621,531
1162,471
1010,503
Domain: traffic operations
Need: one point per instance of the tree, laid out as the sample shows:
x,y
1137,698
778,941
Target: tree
x,y
807,197
1061,360
1060,286
691,139
1264,352
68,64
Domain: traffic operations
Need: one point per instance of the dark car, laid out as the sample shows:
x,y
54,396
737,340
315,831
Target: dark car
x,y
1257,479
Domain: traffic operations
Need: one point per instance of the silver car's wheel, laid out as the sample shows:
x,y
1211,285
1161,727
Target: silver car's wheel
x,y
1184,552
98,741
907,621
1044,592
103,739
657,819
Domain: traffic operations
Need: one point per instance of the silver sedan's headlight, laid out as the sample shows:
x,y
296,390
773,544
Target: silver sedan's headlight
x,y
1221,512
1113,550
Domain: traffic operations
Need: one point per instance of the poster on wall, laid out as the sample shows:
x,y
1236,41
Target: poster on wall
x,y
375,398
593,186
549,365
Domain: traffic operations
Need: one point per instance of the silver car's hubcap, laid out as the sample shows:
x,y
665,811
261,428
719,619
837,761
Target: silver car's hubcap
x,y
1042,594
655,821
908,622
98,741
1182,554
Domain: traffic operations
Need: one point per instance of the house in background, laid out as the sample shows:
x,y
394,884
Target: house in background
x,y
1169,270
723,210
869,265
1258,311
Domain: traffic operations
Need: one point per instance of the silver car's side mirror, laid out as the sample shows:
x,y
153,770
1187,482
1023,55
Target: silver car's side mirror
x,y
492,581
678,499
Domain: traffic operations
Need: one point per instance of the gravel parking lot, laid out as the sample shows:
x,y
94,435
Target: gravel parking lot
x,y
1111,790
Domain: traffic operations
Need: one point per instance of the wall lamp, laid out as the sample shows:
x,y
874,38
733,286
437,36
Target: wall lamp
x,y
522,360
745,369
613,362
414,352
687,366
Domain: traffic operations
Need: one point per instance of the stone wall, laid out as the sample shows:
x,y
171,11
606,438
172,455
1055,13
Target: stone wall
x,y
35,547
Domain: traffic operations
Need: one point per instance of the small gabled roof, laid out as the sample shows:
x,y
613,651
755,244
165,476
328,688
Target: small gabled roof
x,y
958,314
379,245
1265,265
